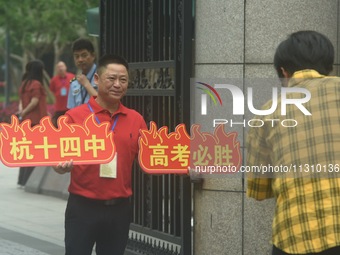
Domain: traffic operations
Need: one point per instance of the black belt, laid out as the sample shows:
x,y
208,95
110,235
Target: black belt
x,y
114,201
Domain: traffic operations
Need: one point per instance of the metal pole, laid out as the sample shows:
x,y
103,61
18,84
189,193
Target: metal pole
x,y
186,65
7,70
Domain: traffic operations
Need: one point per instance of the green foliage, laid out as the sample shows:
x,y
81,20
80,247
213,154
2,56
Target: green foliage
x,y
36,25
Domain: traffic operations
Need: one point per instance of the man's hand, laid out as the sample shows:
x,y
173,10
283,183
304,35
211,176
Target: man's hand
x,y
82,79
63,167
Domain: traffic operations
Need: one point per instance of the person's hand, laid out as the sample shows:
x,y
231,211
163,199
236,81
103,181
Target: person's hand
x,y
82,79
63,167
19,115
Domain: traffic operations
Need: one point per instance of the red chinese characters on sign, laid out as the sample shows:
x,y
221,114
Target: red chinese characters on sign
x,y
43,144
161,152
216,150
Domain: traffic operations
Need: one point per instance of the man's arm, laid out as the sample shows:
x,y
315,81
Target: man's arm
x,y
82,79
259,186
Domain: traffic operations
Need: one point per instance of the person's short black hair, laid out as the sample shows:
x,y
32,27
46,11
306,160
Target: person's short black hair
x,y
82,44
304,50
112,59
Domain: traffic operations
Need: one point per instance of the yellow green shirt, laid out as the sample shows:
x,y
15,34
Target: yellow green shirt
x,y
307,212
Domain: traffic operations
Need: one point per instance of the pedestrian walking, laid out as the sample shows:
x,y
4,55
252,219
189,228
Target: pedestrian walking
x,y
32,104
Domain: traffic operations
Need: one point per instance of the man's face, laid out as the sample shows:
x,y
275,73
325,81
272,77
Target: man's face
x,y
61,69
83,60
112,82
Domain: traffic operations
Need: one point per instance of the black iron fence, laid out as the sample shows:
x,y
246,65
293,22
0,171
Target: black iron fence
x,y
155,36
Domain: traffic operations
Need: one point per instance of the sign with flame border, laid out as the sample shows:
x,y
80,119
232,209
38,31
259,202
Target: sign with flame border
x,y
160,152
43,144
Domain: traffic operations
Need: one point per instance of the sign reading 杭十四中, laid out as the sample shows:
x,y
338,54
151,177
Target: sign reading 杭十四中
x,y
43,144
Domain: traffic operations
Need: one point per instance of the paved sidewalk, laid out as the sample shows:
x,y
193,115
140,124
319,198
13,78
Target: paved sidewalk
x,y
30,224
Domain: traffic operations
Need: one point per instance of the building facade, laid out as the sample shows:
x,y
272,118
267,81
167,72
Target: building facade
x,y
237,39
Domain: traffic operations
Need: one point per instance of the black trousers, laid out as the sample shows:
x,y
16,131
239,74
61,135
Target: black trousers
x,y
89,223
332,251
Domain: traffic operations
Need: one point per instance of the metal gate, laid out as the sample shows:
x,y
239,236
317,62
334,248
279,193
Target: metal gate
x,y
155,36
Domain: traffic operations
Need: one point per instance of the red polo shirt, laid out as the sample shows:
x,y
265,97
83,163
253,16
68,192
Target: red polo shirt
x,y
85,179
60,87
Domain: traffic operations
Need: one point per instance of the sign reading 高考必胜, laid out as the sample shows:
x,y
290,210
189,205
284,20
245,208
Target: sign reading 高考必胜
x,y
176,152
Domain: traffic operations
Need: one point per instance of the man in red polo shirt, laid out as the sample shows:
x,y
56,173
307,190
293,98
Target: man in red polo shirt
x,y
98,209
59,85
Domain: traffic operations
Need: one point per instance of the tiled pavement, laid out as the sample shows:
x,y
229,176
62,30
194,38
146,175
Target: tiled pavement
x,y
30,224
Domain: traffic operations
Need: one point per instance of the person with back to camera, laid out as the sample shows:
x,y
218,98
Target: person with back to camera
x,y
307,212
99,209
32,104
82,87
59,85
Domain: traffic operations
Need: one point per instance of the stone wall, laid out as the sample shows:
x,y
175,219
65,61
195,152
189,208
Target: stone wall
x,y
237,39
